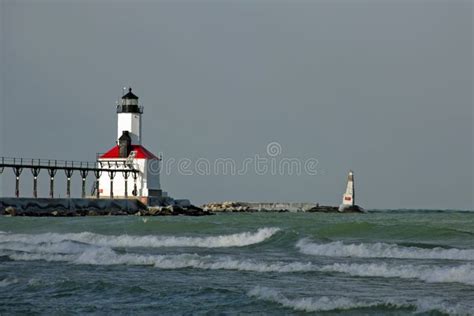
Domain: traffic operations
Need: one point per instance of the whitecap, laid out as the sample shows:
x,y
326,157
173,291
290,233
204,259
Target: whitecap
x,y
309,304
326,303
46,247
107,256
381,250
220,241
431,274
95,255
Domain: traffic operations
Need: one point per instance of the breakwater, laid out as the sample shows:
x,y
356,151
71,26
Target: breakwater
x,y
281,207
91,207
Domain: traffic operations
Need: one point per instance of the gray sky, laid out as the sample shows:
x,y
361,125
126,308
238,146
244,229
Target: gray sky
x,y
380,87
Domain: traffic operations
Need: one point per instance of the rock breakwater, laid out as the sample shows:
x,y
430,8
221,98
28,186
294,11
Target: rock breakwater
x,y
236,207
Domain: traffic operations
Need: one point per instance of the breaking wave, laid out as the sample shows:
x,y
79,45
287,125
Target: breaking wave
x,y
431,274
381,250
94,255
152,241
62,247
309,304
325,303
107,256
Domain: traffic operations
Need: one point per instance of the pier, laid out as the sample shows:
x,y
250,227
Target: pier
x,y
125,173
83,168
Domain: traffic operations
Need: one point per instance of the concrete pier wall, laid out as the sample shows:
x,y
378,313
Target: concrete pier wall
x,y
69,207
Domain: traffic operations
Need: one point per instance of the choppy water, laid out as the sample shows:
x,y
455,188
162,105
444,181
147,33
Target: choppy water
x,y
395,263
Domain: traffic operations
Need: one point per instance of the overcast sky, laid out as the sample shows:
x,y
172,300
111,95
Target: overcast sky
x,y
381,87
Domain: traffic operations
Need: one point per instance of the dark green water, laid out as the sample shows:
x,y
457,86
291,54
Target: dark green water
x,y
394,263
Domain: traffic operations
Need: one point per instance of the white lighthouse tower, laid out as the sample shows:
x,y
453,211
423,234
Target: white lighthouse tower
x,y
129,118
348,198
128,151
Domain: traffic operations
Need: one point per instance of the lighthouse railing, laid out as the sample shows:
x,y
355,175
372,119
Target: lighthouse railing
x,y
54,164
127,108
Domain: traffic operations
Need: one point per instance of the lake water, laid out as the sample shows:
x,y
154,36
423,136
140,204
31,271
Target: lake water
x,y
390,262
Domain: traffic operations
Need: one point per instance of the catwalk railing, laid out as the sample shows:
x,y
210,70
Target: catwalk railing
x,y
69,167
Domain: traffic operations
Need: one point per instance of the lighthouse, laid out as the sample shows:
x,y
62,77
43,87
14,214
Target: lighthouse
x,y
143,180
348,198
349,195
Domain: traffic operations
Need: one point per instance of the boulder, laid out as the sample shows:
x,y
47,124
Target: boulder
x,y
10,210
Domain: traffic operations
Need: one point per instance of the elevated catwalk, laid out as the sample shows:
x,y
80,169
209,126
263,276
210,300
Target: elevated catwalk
x,y
18,165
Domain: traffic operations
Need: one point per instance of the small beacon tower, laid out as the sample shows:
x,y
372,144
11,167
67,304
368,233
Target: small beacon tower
x,y
349,195
145,183
348,199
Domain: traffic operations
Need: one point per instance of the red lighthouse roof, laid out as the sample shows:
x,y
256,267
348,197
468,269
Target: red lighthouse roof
x,y
140,153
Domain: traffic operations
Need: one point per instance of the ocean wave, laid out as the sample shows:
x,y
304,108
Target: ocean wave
x,y
431,274
8,281
381,250
325,303
107,256
62,247
308,304
152,241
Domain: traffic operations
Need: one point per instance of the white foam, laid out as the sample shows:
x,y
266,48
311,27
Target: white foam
x,y
381,250
232,240
431,274
25,256
248,265
8,281
325,303
107,256
308,304
427,305
96,255
48,247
